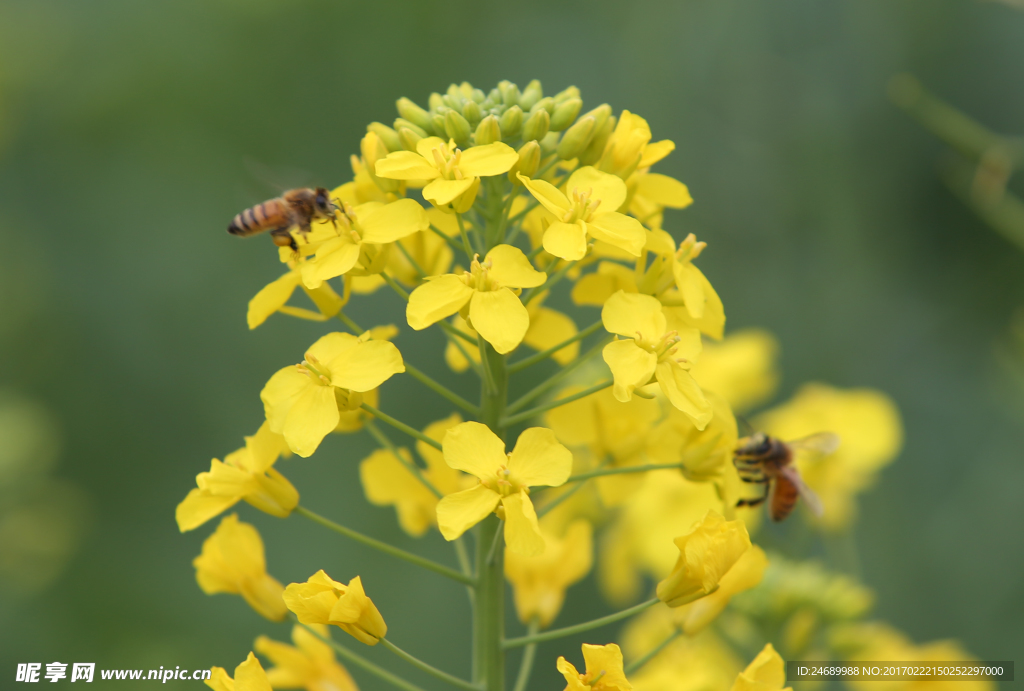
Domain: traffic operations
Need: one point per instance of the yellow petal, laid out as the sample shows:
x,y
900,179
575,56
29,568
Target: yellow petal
x,y
628,313
655,151
547,194
249,676
473,448
522,533
631,367
663,190
487,160
684,394
425,147
332,346
767,672
511,268
624,232
387,482
566,240
271,298
610,189
459,512
442,192
606,659
334,258
500,318
405,165
280,394
313,416
548,328
198,507
435,300
539,459
688,279
393,222
366,366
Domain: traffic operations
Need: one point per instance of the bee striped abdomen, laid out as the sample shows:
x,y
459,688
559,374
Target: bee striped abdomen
x,y
260,218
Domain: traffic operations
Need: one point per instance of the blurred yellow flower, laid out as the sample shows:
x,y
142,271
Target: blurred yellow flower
x,y
746,573
454,174
742,369
489,290
866,420
767,672
387,481
649,351
573,220
302,402
539,582
245,474
700,663
603,670
249,676
706,554
309,664
232,561
505,479
703,455
321,600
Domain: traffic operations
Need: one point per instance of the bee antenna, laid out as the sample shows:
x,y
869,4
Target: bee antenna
x,y
747,427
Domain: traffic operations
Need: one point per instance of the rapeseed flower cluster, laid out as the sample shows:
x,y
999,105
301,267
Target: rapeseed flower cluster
x,y
486,214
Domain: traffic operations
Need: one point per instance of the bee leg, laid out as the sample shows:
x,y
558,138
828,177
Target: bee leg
x,y
282,233
757,501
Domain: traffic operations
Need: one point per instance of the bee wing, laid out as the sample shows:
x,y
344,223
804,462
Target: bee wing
x,y
822,443
277,179
812,500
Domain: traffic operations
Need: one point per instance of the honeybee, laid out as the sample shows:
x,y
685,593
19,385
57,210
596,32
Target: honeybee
x,y
294,208
768,461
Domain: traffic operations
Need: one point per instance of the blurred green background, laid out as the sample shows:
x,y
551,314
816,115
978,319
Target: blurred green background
x,y
126,129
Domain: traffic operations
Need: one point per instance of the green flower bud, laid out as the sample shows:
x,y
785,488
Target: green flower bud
x,y
565,113
600,115
592,154
435,101
438,120
528,163
571,92
478,96
414,114
488,131
536,126
387,135
471,111
409,139
531,94
576,138
547,103
512,121
401,123
494,96
509,93
457,127
549,144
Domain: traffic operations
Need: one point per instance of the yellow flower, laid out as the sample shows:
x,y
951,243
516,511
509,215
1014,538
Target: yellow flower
x,y
767,672
866,420
706,554
539,582
700,663
309,664
702,454
494,309
360,233
232,561
321,600
249,676
302,402
577,216
429,250
650,193
744,575
603,672
454,174
629,147
245,474
742,369
275,295
505,479
650,352
386,481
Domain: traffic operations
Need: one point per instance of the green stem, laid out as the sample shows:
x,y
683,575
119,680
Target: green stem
x,y
555,278
489,613
351,324
429,669
412,432
601,472
454,245
412,262
540,389
547,508
637,664
455,341
579,628
455,331
364,664
442,390
526,666
465,237
385,547
394,286
558,402
383,440
485,365
544,354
